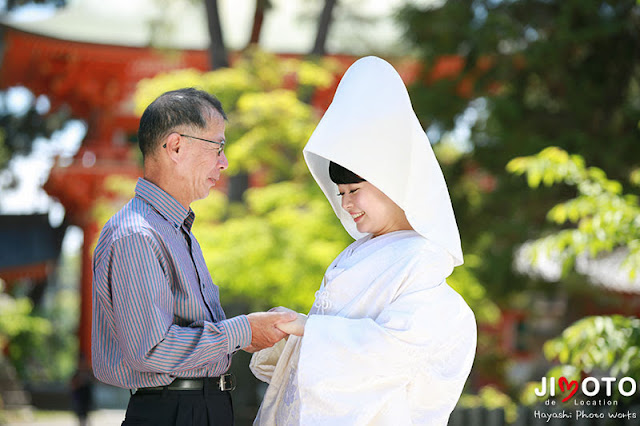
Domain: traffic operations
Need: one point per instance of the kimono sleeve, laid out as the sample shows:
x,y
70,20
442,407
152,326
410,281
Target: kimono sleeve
x,y
263,363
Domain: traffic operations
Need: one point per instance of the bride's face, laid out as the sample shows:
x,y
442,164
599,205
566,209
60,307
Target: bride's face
x,y
371,210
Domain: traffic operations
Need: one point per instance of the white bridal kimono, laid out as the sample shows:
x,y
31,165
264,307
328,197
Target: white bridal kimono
x,y
387,341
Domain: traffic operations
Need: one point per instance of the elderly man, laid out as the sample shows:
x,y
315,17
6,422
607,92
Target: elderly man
x,y
158,326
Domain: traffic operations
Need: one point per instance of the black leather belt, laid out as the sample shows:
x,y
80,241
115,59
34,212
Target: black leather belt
x,y
224,383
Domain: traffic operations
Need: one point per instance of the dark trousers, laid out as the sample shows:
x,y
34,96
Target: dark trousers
x,y
206,407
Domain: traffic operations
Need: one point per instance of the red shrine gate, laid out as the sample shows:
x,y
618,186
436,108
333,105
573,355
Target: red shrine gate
x,y
97,82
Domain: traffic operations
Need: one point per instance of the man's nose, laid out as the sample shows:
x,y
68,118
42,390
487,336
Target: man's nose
x,y
223,163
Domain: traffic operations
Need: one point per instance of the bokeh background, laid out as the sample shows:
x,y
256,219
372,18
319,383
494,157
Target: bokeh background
x,y
532,108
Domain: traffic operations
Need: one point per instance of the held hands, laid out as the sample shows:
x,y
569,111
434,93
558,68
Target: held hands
x,y
295,327
264,328
268,328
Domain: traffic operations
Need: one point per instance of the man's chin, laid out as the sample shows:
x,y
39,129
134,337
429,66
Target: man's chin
x,y
205,193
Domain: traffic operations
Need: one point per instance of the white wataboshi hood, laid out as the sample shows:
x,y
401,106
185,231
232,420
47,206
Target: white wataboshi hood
x,y
371,129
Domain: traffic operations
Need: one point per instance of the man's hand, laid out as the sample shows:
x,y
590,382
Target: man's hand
x,y
264,332
295,327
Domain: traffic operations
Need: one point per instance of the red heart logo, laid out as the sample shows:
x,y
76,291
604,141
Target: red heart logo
x,y
565,385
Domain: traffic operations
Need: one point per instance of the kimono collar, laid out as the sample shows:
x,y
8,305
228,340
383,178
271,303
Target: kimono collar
x,y
371,129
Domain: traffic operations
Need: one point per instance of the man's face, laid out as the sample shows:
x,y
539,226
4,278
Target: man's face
x,y
202,163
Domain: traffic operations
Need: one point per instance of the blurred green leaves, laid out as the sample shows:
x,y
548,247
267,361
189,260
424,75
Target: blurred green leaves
x,y
23,334
597,220
265,98
465,282
41,341
274,247
16,319
491,398
521,76
4,152
604,343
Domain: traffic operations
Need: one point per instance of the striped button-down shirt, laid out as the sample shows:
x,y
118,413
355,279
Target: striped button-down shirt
x,y
156,312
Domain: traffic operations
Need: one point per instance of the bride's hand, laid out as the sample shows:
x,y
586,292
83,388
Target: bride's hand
x,y
280,309
295,327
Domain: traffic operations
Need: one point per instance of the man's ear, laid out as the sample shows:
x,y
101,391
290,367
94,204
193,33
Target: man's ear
x,y
173,146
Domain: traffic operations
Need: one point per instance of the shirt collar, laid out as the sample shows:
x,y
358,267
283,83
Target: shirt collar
x,y
165,204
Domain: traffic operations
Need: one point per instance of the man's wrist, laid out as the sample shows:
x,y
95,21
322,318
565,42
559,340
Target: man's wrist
x,y
238,332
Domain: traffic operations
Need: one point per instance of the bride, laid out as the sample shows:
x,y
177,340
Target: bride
x,y
387,341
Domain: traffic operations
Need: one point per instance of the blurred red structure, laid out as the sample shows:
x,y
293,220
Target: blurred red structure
x,y
97,82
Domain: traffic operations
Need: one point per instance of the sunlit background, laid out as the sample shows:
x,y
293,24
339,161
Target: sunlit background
x,y
532,108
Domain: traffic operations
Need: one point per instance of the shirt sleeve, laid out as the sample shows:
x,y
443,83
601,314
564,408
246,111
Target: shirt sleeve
x,y
143,306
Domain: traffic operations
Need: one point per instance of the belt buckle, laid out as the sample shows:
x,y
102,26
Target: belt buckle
x,y
227,382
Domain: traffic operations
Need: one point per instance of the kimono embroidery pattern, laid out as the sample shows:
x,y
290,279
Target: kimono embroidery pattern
x,y
292,388
289,412
323,301
323,298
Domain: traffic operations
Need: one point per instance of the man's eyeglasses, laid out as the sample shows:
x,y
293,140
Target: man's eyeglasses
x,y
220,144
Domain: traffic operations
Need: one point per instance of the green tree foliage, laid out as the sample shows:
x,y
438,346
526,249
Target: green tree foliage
x,y
600,343
599,219
4,152
555,70
269,122
273,248
491,398
17,326
530,74
607,346
15,319
40,341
